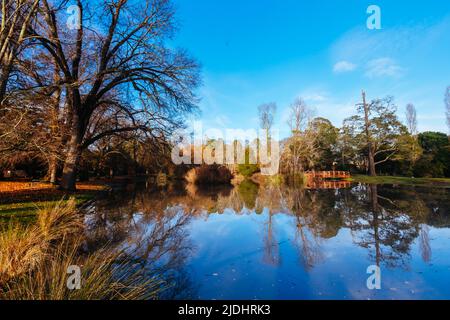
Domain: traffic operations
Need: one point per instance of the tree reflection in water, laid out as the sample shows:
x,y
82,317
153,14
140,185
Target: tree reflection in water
x,y
384,229
154,224
153,234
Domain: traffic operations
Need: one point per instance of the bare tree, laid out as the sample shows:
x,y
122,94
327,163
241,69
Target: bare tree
x,y
266,115
114,65
300,116
16,17
300,150
24,131
410,141
411,119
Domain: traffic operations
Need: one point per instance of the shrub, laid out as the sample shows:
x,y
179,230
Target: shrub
x,y
248,170
209,175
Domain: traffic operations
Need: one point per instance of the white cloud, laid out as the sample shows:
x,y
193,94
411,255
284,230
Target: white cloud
x,y
383,67
344,66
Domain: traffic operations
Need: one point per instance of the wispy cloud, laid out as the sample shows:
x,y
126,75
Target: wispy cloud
x,y
222,121
361,45
315,97
344,66
383,67
314,94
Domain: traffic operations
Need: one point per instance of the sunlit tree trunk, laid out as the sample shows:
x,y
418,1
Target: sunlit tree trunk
x,y
55,129
73,156
53,170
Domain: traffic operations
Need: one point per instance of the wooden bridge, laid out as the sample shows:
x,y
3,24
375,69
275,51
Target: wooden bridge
x,y
327,175
327,179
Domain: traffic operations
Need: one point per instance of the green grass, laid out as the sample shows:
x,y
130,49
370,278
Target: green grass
x,y
435,182
25,212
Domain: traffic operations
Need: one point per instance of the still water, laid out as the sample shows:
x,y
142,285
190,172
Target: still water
x,y
279,242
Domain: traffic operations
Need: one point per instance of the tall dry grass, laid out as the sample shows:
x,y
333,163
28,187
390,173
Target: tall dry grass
x,y
34,262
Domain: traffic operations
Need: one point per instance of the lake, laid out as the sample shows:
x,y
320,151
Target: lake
x,y
281,242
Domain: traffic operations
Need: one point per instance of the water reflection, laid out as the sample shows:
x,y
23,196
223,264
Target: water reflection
x,y
153,233
279,241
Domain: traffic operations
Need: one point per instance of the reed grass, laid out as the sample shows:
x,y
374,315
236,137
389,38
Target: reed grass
x,y
34,262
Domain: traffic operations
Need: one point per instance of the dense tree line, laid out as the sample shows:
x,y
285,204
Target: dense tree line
x,y
372,141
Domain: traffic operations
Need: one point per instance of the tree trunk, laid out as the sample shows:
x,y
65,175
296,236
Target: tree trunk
x,y
53,170
371,153
6,71
73,156
69,175
372,169
55,128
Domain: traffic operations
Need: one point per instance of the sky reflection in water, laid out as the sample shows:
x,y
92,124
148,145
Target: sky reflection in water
x,y
278,242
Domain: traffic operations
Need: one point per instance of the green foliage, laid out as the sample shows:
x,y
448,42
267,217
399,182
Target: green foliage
x,y
248,190
408,153
247,170
433,142
327,136
435,161
395,150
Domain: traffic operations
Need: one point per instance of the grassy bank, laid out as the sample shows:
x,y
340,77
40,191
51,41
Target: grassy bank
x,y
20,200
35,259
25,212
435,182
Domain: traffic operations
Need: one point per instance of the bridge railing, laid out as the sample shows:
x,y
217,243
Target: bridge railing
x,y
328,174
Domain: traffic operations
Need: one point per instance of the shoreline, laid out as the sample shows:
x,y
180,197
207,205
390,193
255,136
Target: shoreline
x,y
23,202
422,182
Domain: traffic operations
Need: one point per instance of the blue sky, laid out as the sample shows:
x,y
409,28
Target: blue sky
x,y
257,51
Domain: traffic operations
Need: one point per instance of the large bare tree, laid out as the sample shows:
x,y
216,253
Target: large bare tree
x,y
117,73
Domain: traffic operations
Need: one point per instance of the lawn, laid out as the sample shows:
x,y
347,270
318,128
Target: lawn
x,y
21,200
434,182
